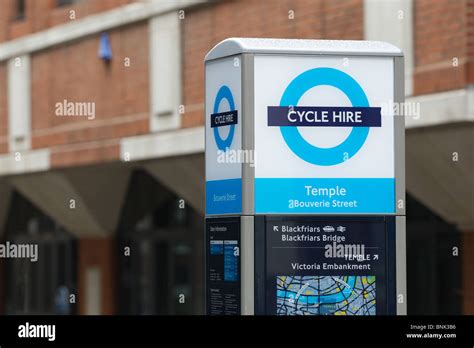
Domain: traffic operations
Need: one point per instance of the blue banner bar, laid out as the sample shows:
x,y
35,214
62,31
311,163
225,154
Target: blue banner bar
x,y
324,116
222,119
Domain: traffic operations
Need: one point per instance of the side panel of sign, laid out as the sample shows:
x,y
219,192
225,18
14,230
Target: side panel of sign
x,y
223,266
223,137
324,135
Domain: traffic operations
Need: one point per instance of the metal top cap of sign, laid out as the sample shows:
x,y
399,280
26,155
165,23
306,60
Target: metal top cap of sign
x,y
233,46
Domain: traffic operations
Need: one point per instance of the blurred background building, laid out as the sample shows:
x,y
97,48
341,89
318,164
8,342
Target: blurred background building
x,y
115,199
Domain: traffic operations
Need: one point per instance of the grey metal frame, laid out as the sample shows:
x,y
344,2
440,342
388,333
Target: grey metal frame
x,y
247,265
234,46
248,132
400,195
399,135
401,264
247,241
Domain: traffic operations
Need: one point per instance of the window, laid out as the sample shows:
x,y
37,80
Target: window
x,y
19,10
166,261
40,287
65,2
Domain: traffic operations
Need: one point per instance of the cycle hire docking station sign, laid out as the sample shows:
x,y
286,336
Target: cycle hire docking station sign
x,y
305,183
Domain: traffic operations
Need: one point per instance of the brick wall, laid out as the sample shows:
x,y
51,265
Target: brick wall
x,y
74,73
468,272
204,27
441,34
6,15
3,109
470,40
43,14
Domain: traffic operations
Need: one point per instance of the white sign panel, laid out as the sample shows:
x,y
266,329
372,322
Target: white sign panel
x,y
324,135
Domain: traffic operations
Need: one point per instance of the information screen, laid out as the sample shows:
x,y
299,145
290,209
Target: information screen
x,y
330,267
223,266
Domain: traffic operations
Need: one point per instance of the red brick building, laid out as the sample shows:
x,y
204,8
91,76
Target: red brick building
x,y
88,187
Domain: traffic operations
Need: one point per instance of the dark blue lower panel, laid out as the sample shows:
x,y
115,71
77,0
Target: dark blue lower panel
x,y
314,265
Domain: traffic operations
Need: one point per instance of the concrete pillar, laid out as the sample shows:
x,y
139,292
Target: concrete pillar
x,y
85,201
183,175
97,276
439,162
165,72
53,193
103,190
19,106
392,21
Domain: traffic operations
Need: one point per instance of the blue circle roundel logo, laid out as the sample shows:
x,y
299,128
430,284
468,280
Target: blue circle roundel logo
x,y
293,93
224,93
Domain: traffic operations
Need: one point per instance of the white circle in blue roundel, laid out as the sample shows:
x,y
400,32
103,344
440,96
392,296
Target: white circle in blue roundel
x,y
293,93
224,93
